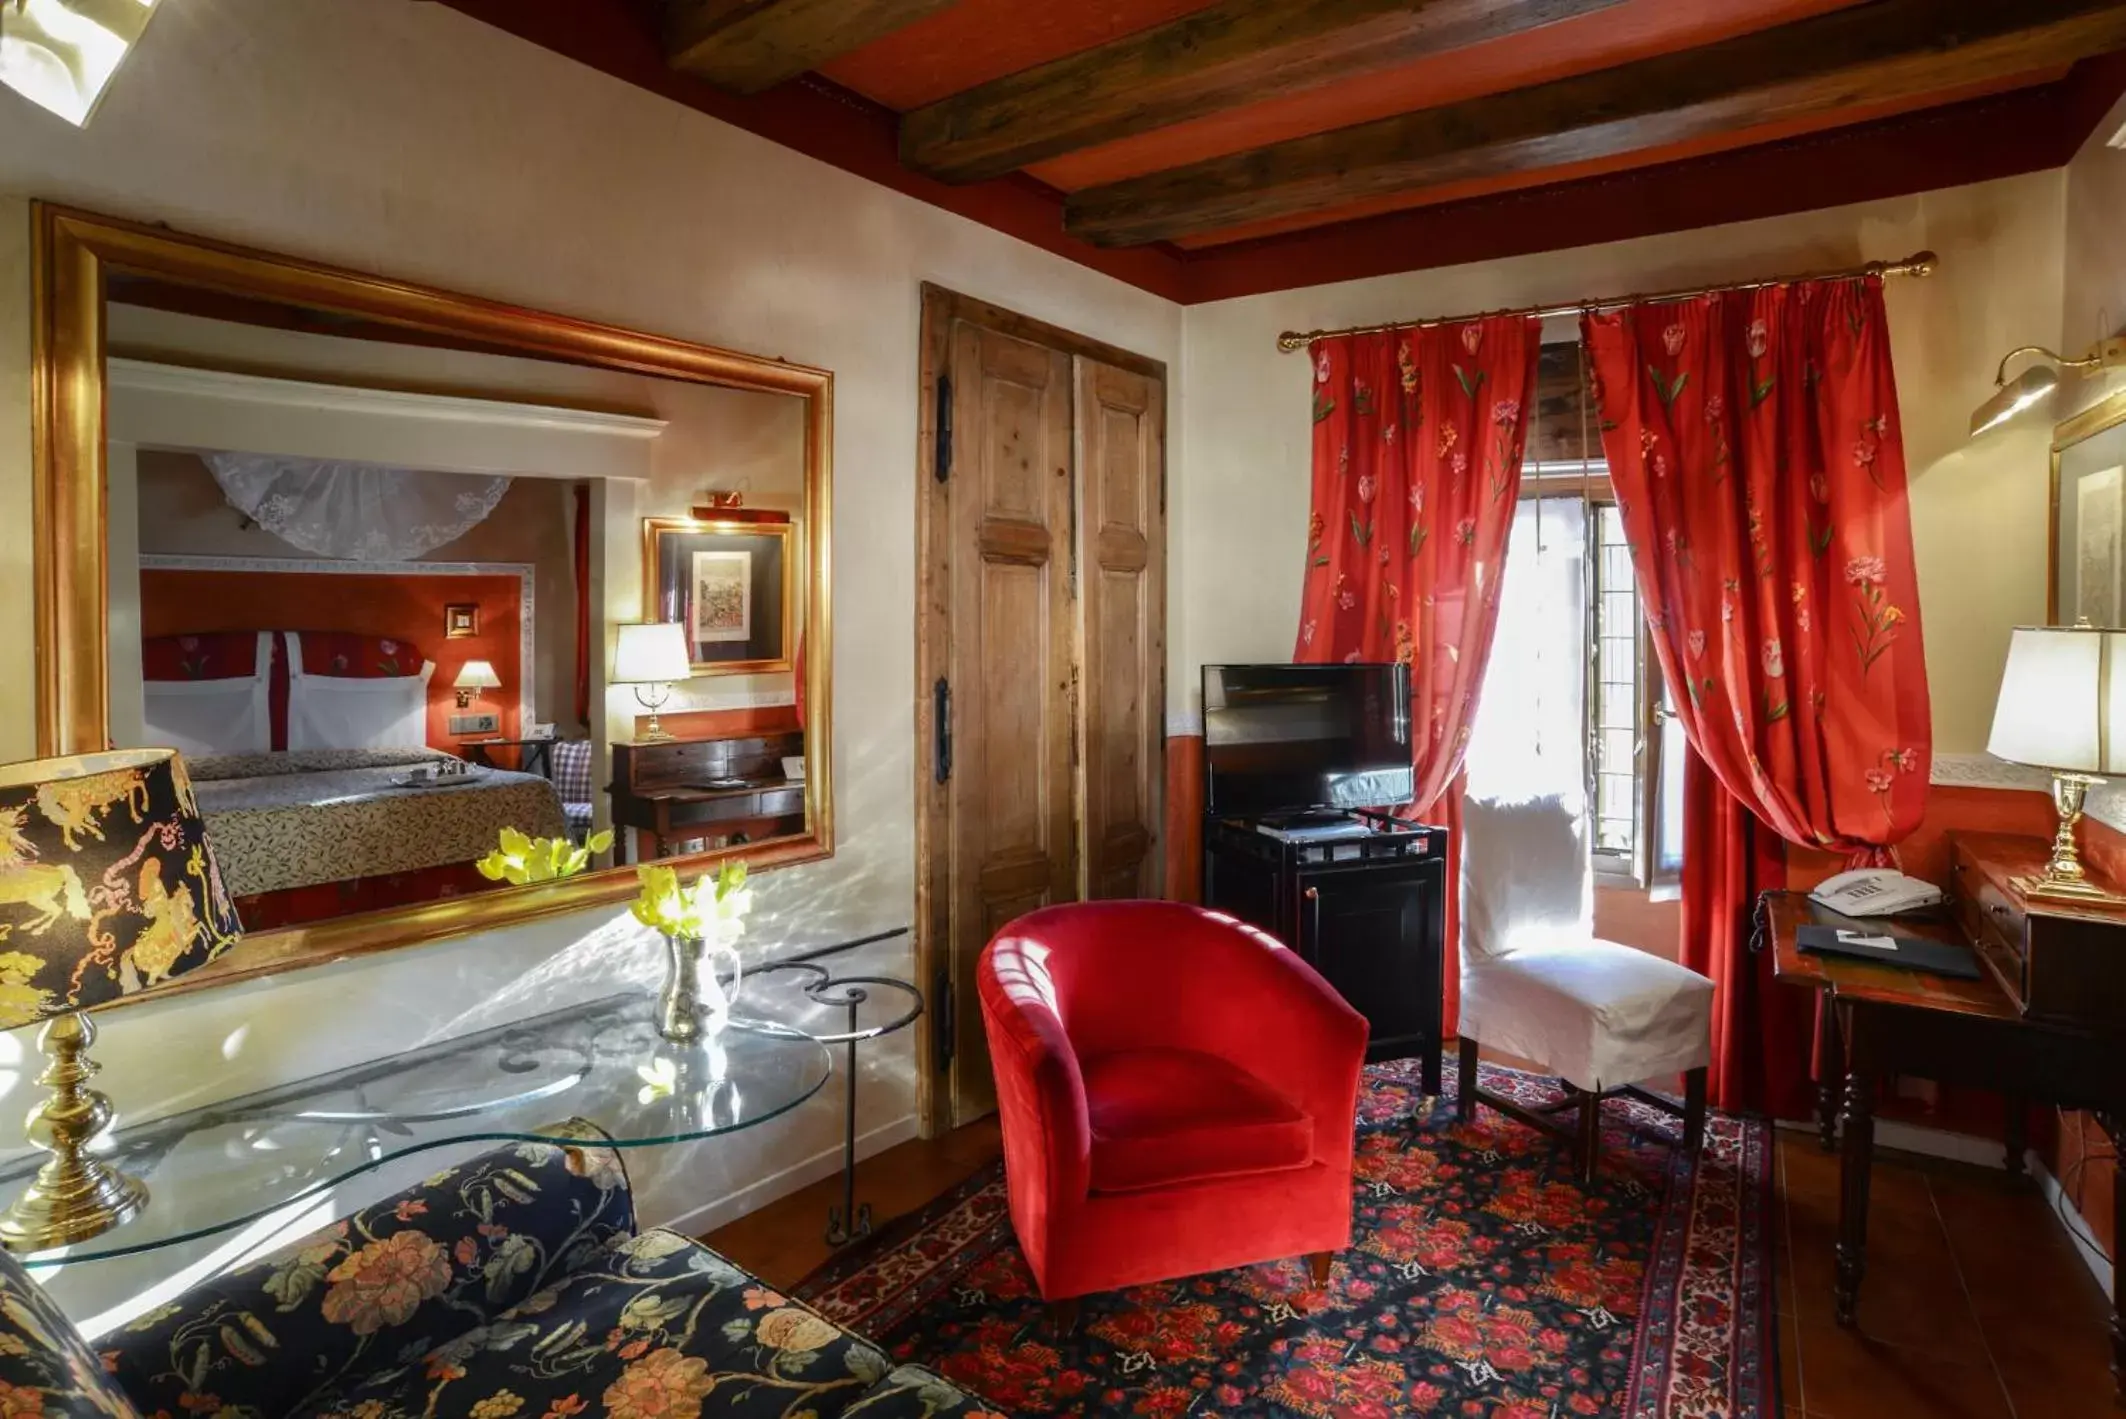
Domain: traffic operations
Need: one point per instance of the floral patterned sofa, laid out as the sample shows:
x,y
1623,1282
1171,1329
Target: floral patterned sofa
x,y
514,1286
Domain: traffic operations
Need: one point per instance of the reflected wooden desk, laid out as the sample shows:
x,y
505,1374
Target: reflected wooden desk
x,y
1880,1020
673,790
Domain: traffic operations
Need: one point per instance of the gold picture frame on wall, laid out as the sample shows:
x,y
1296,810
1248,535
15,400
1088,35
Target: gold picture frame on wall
x,y
2086,547
74,257
730,583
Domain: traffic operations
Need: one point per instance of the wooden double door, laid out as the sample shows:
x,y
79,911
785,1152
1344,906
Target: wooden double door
x,y
1042,655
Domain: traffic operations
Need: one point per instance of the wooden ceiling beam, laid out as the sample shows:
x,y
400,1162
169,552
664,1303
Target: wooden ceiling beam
x,y
746,46
1234,53
1875,52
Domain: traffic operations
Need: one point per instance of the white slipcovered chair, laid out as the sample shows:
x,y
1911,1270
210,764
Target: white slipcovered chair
x,y
1538,983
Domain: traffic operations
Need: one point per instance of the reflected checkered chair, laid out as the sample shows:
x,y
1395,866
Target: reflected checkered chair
x,y
572,780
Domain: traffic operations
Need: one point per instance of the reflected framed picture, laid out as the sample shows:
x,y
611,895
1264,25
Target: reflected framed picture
x,y
461,620
2088,553
729,584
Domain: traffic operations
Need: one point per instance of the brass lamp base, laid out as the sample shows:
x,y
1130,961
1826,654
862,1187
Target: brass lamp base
x,y
2064,877
654,732
74,1197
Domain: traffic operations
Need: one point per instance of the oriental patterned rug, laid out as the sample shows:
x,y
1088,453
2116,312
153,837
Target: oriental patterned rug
x,y
1482,1280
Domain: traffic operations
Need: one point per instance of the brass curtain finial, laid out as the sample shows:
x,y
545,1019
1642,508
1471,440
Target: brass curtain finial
x,y
1919,263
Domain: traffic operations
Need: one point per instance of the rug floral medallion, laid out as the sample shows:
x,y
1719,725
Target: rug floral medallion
x,y
1482,1279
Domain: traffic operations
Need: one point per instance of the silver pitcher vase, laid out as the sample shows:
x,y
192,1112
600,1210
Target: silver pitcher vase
x,y
694,1004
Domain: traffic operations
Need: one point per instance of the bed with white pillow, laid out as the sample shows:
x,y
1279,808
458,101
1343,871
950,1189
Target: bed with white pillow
x,y
305,776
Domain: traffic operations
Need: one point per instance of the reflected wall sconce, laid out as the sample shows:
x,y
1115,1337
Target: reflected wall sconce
x,y
477,675
62,54
2012,397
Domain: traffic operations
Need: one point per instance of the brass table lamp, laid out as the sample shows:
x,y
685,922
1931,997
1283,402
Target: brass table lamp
x,y
653,656
107,887
2062,707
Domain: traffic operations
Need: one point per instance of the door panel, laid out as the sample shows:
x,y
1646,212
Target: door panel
x,y
1121,457
1012,816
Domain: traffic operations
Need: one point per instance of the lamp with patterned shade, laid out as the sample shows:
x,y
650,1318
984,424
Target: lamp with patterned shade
x,y
107,887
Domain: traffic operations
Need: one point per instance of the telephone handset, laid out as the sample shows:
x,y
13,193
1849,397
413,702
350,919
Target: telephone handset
x,y
1875,891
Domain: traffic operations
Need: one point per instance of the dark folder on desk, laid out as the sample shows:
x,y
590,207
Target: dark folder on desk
x,y
1911,953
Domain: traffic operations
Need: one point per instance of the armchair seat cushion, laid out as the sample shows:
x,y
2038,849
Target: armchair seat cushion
x,y
1162,1117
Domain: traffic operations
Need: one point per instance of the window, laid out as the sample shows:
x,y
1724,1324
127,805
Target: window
x,y
1573,657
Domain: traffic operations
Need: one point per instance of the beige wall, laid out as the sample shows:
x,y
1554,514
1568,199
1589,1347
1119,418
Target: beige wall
x,y
1978,509
405,138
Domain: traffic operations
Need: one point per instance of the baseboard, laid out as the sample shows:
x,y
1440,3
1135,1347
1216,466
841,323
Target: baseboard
x,y
709,1216
2056,1198
1985,1153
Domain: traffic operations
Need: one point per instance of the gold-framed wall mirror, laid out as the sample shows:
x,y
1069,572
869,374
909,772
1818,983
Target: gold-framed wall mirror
x,y
2086,564
361,551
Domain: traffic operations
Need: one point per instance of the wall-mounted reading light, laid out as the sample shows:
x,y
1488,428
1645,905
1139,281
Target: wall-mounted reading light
x,y
2012,397
61,54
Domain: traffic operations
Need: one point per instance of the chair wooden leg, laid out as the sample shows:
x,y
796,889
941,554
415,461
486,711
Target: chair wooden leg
x,y
1694,1111
1063,1316
1590,1132
1465,1081
1318,1264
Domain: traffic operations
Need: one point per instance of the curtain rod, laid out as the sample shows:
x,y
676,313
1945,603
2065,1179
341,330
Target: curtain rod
x,y
1920,263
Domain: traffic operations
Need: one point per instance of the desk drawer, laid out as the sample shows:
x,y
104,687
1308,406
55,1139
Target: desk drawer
x,y
2056,962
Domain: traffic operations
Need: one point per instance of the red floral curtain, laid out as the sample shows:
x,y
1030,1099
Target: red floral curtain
x,y
1418,437
1754,444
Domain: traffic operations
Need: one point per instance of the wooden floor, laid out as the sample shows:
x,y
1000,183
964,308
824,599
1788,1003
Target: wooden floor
x,y
1975,1306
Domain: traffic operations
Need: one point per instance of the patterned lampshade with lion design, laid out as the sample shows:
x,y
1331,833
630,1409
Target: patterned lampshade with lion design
x,y
107,884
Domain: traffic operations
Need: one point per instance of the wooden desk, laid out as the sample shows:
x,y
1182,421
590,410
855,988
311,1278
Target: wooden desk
x,y
662,790
1880,1020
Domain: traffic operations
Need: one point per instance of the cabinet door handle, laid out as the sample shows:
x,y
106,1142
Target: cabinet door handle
x,y
1313,894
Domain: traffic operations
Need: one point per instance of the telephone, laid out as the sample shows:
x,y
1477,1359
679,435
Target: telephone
x,y
1875,892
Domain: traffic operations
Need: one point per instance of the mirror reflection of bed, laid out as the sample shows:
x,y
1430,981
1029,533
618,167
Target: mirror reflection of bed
x,y
368,585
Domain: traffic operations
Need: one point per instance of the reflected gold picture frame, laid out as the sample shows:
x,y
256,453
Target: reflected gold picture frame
x,y
2101,417
655,573
73,253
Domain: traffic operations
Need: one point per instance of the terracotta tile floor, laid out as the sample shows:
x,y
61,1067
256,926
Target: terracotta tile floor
x,y
1975,1305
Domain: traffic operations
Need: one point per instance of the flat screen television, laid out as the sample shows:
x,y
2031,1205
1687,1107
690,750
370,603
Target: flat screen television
x,y
1282,739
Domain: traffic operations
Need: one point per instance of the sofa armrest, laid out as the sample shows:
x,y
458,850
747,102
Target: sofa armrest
x,y
407,1274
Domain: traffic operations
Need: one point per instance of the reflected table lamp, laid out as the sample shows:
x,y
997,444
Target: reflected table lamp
x,y
2062,707
107,887
653,657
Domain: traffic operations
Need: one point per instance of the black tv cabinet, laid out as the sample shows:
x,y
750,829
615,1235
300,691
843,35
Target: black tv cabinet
x,y
1367,910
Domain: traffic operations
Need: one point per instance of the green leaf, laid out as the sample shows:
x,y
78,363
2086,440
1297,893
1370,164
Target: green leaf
x,y
1774,713
1321,561
1417,537
1324,406
1469,384
1364,534
1761,392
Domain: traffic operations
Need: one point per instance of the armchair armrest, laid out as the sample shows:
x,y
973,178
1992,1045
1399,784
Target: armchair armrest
x,y
407,1274
1040,1090
1254,1002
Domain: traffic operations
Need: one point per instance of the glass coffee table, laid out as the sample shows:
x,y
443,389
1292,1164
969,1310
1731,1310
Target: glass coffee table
x,y
272,1154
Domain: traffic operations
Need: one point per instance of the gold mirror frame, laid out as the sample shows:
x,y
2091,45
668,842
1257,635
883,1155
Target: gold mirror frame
x,y
72,252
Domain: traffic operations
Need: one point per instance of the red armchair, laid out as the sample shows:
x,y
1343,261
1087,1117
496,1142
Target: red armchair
x,y
1178,1094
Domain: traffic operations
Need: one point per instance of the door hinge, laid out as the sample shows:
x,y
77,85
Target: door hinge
x,y
941,454
941,728
943,1018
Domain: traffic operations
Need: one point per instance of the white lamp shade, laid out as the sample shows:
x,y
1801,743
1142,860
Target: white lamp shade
x,y
477,675
657,653
2062,702
62,54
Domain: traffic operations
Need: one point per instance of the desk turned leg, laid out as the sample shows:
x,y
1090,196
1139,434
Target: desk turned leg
x,y
2015,1134
1853,1193
1830,1072
2115,1127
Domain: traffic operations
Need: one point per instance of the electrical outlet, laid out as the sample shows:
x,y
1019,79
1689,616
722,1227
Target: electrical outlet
x,y
485,723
